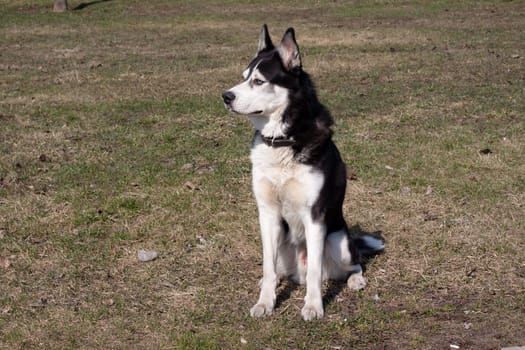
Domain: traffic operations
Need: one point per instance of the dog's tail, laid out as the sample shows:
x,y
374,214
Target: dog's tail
x,y
369,245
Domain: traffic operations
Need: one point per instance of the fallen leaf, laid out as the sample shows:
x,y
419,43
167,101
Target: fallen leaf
x,y
5,262
430,217
204,170
94,65
167,284
186,166
204,167
192,186
471,273
352,177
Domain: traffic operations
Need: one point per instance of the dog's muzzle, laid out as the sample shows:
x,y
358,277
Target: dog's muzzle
x,y
228,98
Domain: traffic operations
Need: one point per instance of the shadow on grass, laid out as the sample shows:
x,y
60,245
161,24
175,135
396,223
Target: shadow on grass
x,y
334,287
286,292
355,232
83,5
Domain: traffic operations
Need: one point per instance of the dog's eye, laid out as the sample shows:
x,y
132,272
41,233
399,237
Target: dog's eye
x,y
258,81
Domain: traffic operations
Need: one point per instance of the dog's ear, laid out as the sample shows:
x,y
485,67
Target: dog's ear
x,y
265,42
289,51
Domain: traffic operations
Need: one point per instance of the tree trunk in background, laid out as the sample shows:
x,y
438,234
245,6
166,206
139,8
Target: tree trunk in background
x,y
60,6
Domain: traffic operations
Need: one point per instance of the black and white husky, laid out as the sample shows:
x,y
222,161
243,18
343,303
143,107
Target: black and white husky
x,y
299,179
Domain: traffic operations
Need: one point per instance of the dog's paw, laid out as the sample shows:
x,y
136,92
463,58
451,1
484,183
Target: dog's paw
x,y
356,281
311,312
261,310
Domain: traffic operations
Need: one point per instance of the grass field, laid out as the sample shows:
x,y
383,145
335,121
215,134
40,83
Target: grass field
x,y
113,138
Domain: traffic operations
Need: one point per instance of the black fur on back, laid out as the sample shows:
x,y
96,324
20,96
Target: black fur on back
x,y
309,124
308,121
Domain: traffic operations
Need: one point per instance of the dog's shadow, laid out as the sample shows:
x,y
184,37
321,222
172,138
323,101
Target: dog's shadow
x,y
334,288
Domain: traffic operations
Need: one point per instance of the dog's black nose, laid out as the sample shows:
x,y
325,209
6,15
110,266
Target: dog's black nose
x,y
228,97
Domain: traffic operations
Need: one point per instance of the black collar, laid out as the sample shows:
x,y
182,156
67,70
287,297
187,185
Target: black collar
x,y
276,142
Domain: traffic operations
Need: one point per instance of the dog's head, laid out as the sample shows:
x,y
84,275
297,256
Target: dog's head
x,y
263,94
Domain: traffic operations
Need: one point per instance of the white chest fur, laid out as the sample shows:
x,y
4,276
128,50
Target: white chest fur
x,y
284,187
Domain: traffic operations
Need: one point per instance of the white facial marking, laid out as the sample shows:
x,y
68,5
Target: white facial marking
x,y
262,101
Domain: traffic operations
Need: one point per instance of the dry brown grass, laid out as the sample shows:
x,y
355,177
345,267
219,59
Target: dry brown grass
x,y
102,109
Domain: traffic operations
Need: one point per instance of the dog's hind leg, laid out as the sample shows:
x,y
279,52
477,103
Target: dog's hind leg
x,y
286,259
339,262
356,281
367,245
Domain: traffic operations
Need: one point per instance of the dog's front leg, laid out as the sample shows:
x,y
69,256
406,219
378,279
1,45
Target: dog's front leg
x,y
271,229
313,302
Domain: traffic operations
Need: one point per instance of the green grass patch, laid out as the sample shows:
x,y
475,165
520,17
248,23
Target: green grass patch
x,y
114,139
